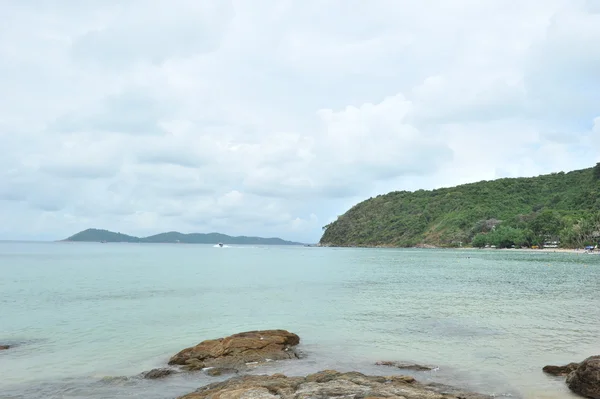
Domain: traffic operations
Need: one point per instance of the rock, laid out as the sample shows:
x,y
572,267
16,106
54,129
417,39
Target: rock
x,y
239,350
4,347
158,373
560,370
325,384
217,371
404,366
585,380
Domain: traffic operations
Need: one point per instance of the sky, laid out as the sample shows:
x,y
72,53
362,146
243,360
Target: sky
x,y
271,118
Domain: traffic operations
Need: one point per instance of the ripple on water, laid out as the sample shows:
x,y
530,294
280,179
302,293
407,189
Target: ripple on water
x,y
83,312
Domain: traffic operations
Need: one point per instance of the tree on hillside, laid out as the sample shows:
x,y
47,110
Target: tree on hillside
x,y
584,232
479,241
545,224
506,237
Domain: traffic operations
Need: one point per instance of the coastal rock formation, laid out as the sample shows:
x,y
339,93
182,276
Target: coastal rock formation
x,y
239,350
157,373
404,365
561,370
4,347
585,380
326,384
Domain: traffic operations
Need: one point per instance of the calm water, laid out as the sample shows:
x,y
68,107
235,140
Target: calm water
x,y
79,313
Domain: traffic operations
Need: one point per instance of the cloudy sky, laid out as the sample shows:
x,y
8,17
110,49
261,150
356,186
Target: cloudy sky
x,y
273,117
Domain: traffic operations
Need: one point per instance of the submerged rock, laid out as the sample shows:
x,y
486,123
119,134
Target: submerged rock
x,y
404,365
325,384
561,370
585,379
217,371
157,373
239,350
4,347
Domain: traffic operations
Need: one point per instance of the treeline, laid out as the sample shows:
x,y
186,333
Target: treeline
x,y
547,227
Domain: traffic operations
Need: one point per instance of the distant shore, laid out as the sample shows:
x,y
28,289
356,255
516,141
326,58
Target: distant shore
x,y
557,250
428,246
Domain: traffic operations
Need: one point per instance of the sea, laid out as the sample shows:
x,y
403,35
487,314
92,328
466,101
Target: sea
x,y
85,319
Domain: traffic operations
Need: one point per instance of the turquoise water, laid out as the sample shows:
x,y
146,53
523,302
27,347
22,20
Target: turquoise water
x,y
489,319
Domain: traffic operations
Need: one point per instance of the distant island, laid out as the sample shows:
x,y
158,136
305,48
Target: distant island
x,y
554,210
173,237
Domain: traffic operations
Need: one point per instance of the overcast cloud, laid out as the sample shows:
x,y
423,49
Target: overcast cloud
x,y
273,117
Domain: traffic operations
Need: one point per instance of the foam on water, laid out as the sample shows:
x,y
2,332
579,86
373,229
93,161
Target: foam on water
x,y
490,320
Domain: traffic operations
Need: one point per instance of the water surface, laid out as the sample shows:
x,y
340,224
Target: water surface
x,y
80,312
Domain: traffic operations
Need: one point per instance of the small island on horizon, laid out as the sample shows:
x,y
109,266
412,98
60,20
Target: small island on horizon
x,y
174,237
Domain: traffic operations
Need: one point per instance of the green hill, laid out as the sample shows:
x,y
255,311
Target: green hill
x,y
514,211
96,235
101,235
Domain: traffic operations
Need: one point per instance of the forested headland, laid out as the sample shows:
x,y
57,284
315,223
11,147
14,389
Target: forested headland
x,y
561,208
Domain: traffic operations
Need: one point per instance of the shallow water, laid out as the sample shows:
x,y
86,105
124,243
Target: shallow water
x,y
489,319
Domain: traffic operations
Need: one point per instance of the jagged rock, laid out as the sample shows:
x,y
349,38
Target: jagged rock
x,y
585,380
404,365
239,350
325,384
4,347
560,370
158,373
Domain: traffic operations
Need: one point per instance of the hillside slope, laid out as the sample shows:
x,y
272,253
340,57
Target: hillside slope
x,y
560,206
96,235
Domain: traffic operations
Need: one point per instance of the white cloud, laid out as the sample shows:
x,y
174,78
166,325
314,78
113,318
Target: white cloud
x,y
273,117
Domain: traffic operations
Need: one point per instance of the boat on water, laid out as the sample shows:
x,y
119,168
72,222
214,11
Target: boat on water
x,y
221,244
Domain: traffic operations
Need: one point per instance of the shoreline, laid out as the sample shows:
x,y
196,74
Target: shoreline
x,y
544,250
540,250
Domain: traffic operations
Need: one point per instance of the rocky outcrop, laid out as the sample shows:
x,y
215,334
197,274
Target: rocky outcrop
x,y
561,370
4,347
585,379
404,365
325,384
239,350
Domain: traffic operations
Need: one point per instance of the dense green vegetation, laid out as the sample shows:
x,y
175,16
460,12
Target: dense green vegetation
x,y
562,207
96,235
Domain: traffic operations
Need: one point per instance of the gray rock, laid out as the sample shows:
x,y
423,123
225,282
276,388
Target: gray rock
x,y
157,373
217,371
561,370
405,366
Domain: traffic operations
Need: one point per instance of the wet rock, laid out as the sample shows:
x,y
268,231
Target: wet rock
x,y
239,350
404,365
217,371
4,347
561,370
585,380
157,373
116,380
325,384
